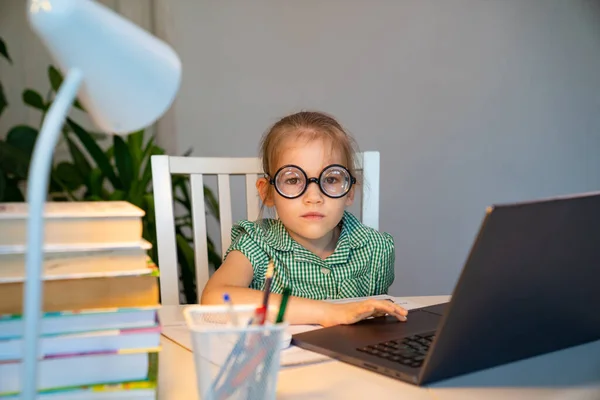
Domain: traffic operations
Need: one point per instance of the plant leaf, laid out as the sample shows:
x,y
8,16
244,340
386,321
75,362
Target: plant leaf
x,y
3,101
13,160
185,255
135,142
55,186
110,152
2,185
188,152
23,137
56,79
79,159
149,222
123,162
148,149
211,203
117,195
4,50
69,175
96,153
95,182
214,257
147,174
12,192
34,99
145,161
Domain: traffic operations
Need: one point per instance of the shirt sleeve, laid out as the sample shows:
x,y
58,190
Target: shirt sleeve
x,y
243,242
384,273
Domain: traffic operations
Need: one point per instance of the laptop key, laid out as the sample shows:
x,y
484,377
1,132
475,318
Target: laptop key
x,y
407,354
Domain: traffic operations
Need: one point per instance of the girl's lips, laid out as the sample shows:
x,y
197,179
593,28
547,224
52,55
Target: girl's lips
x,y
313,216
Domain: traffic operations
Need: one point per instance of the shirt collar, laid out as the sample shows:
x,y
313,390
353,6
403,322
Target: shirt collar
x,y
353,231
278,237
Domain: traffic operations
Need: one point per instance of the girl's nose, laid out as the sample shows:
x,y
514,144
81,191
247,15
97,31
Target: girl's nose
x,y
313,194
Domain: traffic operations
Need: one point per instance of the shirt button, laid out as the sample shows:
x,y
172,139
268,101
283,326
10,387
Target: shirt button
x,y
325,271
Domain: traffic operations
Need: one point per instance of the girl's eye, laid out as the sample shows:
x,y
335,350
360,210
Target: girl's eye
x,y
292,181
331,180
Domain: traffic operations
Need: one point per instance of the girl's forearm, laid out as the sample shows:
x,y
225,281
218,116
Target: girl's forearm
x,y
299,310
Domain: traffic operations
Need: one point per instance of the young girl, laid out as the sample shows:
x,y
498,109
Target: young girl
x,y
319,250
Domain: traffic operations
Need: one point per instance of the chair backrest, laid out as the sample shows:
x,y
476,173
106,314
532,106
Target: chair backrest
x,y
164,167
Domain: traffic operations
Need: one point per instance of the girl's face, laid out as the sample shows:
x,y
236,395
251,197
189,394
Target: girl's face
x,y
312,216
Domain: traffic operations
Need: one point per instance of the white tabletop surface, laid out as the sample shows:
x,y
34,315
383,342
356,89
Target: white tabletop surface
x,y
569,374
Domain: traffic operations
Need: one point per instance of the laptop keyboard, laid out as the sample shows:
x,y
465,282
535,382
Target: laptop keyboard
x,y
409,351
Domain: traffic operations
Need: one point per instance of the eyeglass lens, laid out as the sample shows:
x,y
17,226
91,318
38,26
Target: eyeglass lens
x,y
335,181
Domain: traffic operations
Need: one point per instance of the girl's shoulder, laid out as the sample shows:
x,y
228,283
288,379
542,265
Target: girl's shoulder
x,y
359,234
258,227
267,233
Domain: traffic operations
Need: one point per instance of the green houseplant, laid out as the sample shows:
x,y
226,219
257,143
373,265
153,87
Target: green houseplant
x,y
121,171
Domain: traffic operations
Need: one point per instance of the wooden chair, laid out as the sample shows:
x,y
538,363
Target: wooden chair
x,y
164,167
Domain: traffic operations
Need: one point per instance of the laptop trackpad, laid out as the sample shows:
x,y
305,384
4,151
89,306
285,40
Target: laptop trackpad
x,y
369,331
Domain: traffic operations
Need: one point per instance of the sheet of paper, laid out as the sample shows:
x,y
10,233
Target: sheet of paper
x,y
408,305
290,356
175,329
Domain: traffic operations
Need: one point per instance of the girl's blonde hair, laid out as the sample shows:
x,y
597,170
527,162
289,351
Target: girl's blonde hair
x,y
307,125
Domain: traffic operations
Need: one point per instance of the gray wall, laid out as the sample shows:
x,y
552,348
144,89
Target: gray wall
x,y
470,102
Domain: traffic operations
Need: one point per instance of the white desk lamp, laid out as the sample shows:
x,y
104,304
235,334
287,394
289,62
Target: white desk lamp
x,y
126,79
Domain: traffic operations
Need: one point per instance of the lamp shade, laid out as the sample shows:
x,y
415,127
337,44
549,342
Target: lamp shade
x,y
129,77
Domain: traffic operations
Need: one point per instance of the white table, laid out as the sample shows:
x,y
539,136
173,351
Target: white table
x,y
572,374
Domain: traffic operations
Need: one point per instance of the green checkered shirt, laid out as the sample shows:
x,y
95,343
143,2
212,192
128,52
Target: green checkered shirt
x,y
361,265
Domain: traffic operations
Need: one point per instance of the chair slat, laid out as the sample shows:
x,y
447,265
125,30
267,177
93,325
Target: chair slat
x,y
225,211
252,199
370,198
200,235
215,165
165,230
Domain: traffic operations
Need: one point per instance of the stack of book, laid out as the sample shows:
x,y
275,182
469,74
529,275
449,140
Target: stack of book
x,y
100,335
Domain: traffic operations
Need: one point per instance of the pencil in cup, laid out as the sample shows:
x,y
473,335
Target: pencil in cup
x,y
267,351
260,313
216,343
280,318
246,355
231,358
255,370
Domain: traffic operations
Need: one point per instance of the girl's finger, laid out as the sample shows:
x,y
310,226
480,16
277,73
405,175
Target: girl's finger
x,y
393,309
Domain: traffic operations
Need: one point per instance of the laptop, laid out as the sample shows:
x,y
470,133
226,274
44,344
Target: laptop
x,y
530,285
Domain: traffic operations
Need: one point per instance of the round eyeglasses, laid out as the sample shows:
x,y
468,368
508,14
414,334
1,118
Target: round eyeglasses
x,y
291,181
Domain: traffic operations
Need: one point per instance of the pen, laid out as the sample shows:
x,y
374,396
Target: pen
x,y
232,314
261,312
284,300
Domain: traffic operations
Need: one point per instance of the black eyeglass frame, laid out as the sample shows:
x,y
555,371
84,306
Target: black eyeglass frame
x,y
308,180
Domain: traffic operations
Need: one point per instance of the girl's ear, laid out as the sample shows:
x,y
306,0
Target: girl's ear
x,y
350,197
262,185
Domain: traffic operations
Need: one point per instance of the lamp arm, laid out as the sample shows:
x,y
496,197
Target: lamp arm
x,y
37,189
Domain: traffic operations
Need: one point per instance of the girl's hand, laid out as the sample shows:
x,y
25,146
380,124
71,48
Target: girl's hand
x,y
349,313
